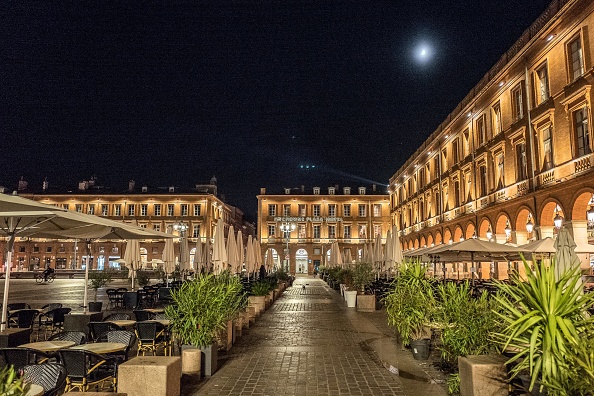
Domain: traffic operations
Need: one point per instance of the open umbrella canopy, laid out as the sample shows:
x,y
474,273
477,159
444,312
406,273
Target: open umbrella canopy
x,y
545,245
474,249
219,251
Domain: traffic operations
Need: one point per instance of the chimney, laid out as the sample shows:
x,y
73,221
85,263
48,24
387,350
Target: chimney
x,y
302,189
144,189
45,185
131,185
262,190
373,187
171,189
23,184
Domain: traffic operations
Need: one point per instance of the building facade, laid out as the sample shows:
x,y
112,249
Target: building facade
x,y
516,154
299,226
159,211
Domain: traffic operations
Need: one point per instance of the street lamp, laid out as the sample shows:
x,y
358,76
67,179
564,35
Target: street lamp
x,y
590,212
489,233
558,220
508,231
287,228
529,224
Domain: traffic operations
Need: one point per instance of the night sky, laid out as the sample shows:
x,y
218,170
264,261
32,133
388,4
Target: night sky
x,y
172,93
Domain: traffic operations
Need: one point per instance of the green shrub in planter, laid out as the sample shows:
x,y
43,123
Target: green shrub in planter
x,y
362,276
143,278
10,384
260,288
281,275
202,307
98,279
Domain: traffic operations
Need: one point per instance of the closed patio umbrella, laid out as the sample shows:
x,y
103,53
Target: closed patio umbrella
x,y
198,257
219,250
566,258
240,252
269,260
232,250
207,256
132,258
168,258
250,257
184,255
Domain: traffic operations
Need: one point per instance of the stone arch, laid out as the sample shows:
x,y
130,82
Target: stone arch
x,y
447,235
485,223
503,220
522,235
580,203
548,211
429,240
423,241
470,230
438,238
458,233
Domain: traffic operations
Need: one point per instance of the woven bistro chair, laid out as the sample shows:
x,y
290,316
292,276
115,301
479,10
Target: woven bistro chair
x,y
151,335
117,316
50,376
86,369
23,318
78,337
98,328
20,357
142,315
52,321
123,337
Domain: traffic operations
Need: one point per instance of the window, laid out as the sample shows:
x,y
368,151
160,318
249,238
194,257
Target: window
x,y
316,231
170,209
517,104
157,227
362,232
286,210
117,210
66,206
143,209
21,249
302,210
547,149
361,190
362,211
316,210
184,209
301,231
455,153
48,249
576,58
271,230
347,231
422,180
483,179
332,231
521,162
91,209
377,210
346,191
331,190
331,210
542,84
35,249
444,164
500,181
377,230
157,209
78,208
481,130
456,194
196,231
271,209
104,209
582,132
466,134
131,210
197,210
346,210
142,225
497,126
316,190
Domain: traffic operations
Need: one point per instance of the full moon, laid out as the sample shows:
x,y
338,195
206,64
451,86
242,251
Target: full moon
x,y
423,53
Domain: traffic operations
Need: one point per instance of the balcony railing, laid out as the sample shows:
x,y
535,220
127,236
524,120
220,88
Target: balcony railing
x,y
546,177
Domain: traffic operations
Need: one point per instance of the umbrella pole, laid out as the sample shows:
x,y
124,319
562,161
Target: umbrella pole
x,y
7,279
86,294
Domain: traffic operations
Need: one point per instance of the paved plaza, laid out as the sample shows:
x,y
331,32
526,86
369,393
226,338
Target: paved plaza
x,y
309,343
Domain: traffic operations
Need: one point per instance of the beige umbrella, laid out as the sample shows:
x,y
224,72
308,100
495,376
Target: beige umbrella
x,y
257,254
219,251
232,250
378,253
240,252
207,256
269,260
250,257
168,257
348,257
198,257
132,258
566,258
184,254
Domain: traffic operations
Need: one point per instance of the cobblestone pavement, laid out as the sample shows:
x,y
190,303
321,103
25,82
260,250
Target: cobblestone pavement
x,y
308,343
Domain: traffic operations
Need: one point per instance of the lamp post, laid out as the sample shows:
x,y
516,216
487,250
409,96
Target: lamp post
x,y
489,234
558,220
287,228
181,227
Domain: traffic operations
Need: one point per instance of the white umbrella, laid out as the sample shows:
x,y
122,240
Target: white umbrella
x,y
257,254
157,261
198,257
168,257
378,252
219,251
232,249
269,260
184,254
250,256
207,256
348,257
566,259
240,252
132,257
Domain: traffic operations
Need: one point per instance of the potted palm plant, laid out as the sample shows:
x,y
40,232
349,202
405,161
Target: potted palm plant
x,y
97,280
410,306
258,294
201,310
362,279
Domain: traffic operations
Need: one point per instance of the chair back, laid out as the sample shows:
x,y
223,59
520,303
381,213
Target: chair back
x,y
25,317
130,300
51,307
98,328
161,316
122,289
121,336
20,357
58,315
142,315
75,361
15,306
78,337
148,331
117,316
50,376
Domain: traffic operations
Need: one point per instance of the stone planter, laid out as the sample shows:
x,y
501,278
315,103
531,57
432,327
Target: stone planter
x,y
259,302
191,358
482,375
366,302
95,306
351,298
209,360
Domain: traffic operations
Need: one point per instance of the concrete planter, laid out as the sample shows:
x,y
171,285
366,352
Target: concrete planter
x,y
482,375
366,302
191,360
351,298
209,360
259,302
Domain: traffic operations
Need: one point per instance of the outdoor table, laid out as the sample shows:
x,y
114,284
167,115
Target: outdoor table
x,y
48,346
164,322
102,347
154,310
35,390
122,322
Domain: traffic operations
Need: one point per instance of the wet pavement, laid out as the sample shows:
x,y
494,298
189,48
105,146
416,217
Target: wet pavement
x,y
310,343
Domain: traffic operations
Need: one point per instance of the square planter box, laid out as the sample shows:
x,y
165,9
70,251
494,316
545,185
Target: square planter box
x,y
366,302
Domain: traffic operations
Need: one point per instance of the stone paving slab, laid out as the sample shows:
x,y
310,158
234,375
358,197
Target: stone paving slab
x,y
309,343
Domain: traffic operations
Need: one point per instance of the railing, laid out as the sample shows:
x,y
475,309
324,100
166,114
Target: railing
x,y
500,195
523,187
546,177
582,164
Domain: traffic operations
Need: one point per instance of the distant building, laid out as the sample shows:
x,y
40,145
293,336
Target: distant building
x,y
516,153
318,217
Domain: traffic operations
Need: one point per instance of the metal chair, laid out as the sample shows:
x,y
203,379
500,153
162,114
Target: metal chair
x,y
52,321
23,318
130,300
50,376
115,298
98,328
78,337
123,337
151,335
142,315
20,357
15,306
117,316
86,369
50,306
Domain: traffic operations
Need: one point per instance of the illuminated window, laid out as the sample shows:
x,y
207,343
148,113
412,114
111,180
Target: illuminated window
x,y
521,162
497,125
576,58
157,209
184,209
286,210
483,180
131,210
271,230
331,190
362,211
456,194
104,209
170,209
363,232
547,148
302,210
316,190
346,210
332,231
91,209
301,231
377,210
197,209
196,231
331,210
316,210
542,84
347,231
455,153
271,209
377,230
117,210
316,231
361,190
517,104
143,209
66,206
78,208
582,131
481,130
346,191
500,181
157,227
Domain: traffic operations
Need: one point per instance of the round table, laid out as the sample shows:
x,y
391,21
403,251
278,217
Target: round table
x,y
154,310
164,322
35,390
122,322
48,346
101,347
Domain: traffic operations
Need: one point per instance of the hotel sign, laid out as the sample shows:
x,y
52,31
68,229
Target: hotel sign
x,y
308,219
